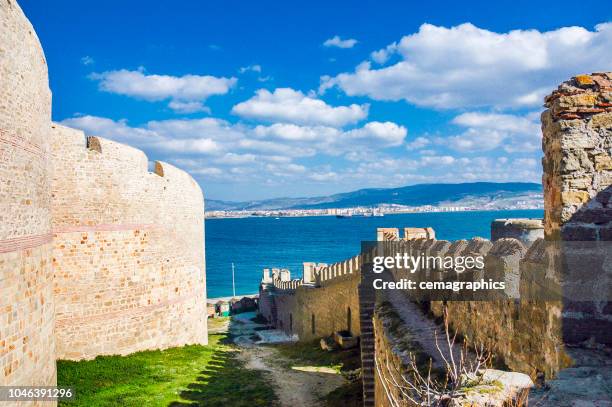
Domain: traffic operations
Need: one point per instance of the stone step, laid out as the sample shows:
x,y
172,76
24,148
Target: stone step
x,y
367,367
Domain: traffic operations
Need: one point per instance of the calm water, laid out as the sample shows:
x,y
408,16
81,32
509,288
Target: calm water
x,y
257,243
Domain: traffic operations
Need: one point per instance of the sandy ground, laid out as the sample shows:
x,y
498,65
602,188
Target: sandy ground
x,y
296,386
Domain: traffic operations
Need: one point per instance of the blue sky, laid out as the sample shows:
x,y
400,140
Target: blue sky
x,y
268,99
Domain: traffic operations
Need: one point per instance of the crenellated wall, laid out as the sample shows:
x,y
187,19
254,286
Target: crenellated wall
x,y
27,343
128,250
97,254
520,327
324,301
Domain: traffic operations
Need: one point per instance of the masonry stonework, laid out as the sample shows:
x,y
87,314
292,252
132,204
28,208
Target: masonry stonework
x,y
128,250
98,255
577,142
317,307
27,343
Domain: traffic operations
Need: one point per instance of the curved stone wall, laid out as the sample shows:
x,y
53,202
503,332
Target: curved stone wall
x,y
27,349
128,250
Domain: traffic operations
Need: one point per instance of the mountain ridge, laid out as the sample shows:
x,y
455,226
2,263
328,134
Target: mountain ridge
x,y
410,195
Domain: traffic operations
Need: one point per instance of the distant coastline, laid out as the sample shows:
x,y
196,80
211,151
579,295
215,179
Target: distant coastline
x,y
363,211
419,198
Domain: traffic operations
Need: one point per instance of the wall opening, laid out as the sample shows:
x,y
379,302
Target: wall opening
x,y
348,320
312,324
291,323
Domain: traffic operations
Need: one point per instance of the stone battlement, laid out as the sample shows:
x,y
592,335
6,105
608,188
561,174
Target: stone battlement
x,y
98,255
144,229
315,274
309,307
120,181
523,269
391,234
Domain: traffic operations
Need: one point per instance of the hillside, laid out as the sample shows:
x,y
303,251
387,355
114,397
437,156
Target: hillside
x,y
412,195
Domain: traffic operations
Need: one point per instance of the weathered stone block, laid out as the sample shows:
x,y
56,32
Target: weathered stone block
x,y
601,120
603,162
574,197
584,80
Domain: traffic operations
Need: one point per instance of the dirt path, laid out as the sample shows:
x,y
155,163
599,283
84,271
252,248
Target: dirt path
x,y
293,387
303,386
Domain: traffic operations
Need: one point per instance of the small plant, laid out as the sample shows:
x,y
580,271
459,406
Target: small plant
x,y
461,371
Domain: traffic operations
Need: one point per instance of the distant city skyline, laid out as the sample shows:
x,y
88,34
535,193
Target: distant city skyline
x,y
273,99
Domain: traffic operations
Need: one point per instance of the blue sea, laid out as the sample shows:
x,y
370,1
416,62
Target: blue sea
x,y
253,244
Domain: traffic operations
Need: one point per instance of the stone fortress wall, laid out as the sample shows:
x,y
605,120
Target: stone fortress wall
x,y
97,254
520,333
128,250
325,300
27,343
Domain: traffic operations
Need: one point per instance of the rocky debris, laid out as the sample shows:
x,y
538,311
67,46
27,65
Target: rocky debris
x,y
328,344
581,96
495,388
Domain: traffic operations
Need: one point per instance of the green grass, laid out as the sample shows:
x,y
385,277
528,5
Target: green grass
x,y
186,376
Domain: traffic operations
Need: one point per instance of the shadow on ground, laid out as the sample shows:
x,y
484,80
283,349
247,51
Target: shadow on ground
x,y
225,382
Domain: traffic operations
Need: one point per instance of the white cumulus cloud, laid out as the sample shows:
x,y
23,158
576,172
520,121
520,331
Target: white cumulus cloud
x,y
467,66
289,105
387,134
185,92
488,131
418,143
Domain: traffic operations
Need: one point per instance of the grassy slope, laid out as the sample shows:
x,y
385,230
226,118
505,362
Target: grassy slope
x,y
190,375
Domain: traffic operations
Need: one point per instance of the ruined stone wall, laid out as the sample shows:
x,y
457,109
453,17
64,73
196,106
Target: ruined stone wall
x,y
520,326
528,333
577,143
27,345
523,332
315,310
329,304
128,250
390,356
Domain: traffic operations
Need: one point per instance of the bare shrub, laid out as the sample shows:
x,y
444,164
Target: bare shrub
x,y
461,370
